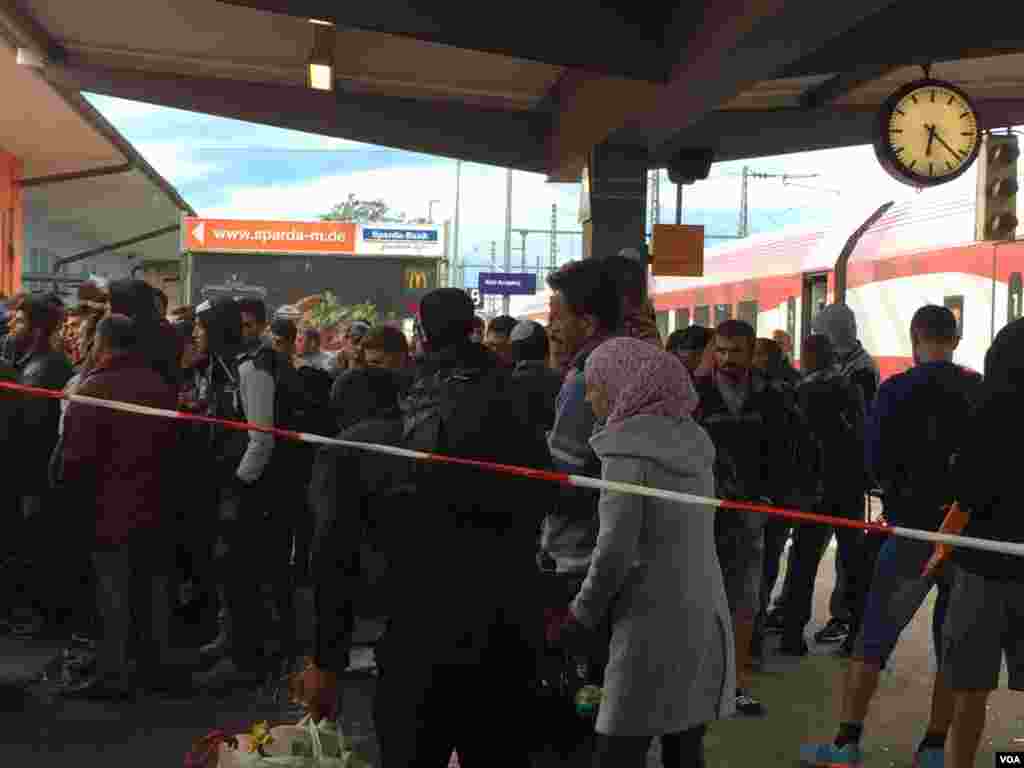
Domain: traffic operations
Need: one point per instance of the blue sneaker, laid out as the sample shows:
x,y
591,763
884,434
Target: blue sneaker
x,y
930,758
830,756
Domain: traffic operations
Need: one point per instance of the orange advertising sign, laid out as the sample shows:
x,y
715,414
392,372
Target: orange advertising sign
x,y
677,250
275,237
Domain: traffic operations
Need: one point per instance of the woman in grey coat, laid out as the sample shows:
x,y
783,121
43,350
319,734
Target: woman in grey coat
x,y
654,574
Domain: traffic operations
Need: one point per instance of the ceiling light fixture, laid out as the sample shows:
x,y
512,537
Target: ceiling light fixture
x,y
320,68
26,57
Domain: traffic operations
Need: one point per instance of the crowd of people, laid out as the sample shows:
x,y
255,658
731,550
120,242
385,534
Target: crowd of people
x,y
487,575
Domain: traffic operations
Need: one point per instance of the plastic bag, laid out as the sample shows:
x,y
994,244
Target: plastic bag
x,y
303,745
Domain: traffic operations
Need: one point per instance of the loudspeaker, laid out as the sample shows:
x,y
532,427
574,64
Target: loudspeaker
x,y
690,165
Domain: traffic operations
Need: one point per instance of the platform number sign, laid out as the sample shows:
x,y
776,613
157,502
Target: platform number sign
x,y
475,295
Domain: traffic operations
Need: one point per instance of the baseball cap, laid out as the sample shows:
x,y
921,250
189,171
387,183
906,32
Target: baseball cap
x,y
524,330
284,328
358,329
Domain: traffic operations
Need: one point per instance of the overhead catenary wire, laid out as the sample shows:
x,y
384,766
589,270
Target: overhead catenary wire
x,y
1001,547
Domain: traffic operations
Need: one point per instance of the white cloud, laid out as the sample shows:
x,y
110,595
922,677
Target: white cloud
x,y
175,162
407,189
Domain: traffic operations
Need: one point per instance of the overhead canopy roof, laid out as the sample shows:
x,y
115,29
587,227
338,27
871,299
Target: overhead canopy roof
x,y
535,84
56,135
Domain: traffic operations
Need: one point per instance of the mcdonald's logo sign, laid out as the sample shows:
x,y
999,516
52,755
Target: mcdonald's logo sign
x,y
416,279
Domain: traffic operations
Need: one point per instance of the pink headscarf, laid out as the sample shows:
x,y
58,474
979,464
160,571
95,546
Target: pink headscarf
x,y
641,379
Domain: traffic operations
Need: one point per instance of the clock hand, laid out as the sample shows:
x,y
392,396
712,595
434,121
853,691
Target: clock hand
x,y
931,136
952,151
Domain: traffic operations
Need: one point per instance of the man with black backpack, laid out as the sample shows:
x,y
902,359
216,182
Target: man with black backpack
x,y
466,627
915,431
243,382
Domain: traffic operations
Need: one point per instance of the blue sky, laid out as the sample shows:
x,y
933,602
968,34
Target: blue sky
x,y
227,168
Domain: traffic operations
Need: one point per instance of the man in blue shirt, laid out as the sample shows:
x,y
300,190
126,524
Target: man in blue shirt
x,y
913,435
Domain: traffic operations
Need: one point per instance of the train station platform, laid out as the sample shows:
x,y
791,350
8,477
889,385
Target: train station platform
x,y
800,694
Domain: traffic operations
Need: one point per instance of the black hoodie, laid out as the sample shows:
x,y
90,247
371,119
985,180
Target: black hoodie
x,y
464,562
348,496
987,469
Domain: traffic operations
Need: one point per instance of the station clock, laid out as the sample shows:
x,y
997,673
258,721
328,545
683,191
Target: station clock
x,y
927,133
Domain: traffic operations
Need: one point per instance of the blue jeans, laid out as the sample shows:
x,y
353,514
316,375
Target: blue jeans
x,y
897,592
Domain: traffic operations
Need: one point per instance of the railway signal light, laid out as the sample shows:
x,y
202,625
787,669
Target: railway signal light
x,y
997,188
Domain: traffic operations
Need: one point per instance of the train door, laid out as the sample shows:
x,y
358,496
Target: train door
x,y
814,300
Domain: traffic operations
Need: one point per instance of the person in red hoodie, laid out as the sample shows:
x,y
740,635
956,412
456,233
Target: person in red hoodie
x,y
115,459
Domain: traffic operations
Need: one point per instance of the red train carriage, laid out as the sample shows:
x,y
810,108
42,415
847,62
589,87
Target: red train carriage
x,y
917,252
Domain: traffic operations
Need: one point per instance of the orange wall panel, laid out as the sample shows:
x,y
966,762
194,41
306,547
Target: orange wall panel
x,y
12,224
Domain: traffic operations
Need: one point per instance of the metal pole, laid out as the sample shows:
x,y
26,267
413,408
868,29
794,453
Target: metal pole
x,y
554,237
655,199
522,234
744,218
458,219
113,246
679,203
56,178
506,300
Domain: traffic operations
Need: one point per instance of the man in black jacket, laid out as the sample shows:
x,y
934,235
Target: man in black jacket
x,y
529,348
839,324
756,434
833,408
33,428
239,384
465,611
349,494
986,609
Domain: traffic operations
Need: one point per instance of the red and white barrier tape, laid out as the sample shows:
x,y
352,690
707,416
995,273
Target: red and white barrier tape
x,y
1001,547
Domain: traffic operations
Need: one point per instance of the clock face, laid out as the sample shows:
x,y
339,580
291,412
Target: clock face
x,y
930,134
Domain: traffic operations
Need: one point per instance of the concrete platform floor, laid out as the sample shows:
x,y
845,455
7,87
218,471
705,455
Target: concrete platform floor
x,y
40,731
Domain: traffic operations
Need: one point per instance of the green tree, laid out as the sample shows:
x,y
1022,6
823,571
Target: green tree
x,y
328,312
363,212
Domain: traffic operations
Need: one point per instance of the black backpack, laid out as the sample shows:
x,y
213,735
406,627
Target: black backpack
x,y
294,410
455,412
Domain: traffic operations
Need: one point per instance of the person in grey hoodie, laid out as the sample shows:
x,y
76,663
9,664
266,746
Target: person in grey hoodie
x,y
839,324
655,574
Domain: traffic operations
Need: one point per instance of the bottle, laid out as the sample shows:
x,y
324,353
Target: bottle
x,y
588,700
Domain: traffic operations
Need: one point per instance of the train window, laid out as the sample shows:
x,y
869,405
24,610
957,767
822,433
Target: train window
x,y
791,317
682,318
1015,309
661,318
956,306
747,312
702,316
723,312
